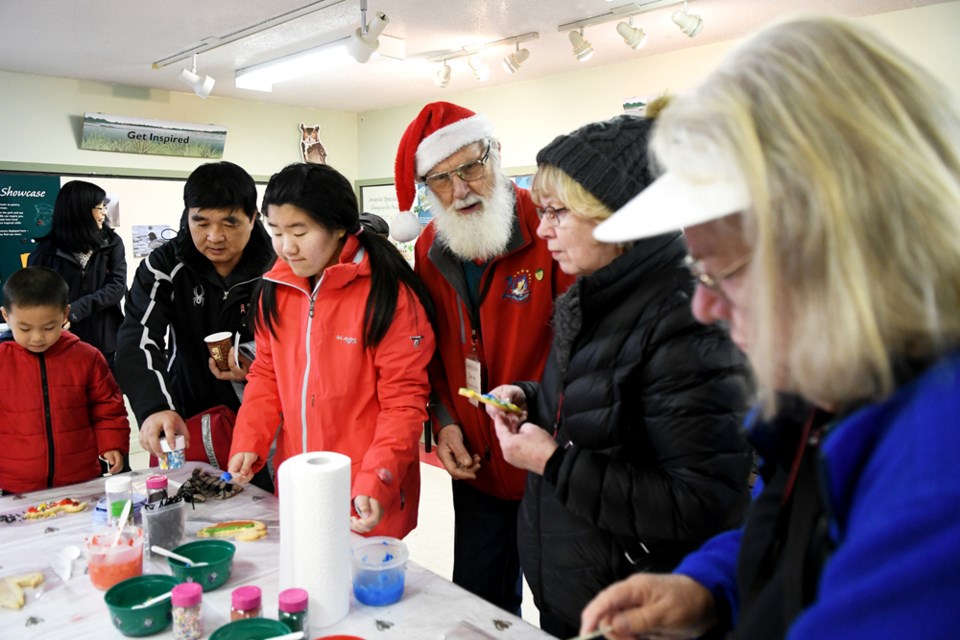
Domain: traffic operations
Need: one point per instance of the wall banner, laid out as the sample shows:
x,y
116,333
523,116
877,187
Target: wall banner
x,y
26,211
128,134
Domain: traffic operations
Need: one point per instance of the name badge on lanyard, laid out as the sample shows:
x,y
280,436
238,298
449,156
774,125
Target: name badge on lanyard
x,y
473,381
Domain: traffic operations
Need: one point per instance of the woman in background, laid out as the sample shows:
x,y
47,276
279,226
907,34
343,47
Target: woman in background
x,y
89,255
344,336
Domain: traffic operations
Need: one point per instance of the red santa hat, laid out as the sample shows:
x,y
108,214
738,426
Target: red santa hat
x,y
440,129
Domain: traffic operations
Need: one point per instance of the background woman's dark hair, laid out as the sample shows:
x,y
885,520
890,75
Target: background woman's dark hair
x,y
328,198
74,229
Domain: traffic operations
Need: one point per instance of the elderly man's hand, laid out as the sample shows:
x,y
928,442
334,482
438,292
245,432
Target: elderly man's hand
x,y
162,424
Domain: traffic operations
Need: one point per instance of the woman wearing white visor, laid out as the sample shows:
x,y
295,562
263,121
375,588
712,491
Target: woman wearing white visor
x,y
816,175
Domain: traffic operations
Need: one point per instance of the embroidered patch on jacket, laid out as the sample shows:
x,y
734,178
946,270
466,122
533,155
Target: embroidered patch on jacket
x,y
416,341
347,339
198,296
518,286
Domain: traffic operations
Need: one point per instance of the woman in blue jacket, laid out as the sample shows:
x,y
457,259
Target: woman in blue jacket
x,y
89,255
816,175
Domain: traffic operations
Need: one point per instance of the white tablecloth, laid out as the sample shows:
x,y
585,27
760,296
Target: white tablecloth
x,y
431,606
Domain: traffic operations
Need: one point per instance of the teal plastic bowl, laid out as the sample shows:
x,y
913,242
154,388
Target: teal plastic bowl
x,y
218,554
147,621
250,629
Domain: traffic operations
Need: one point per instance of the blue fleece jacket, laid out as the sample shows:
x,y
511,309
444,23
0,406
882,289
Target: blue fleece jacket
x,y
893,477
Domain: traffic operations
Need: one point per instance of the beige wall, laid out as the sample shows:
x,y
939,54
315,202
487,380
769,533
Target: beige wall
x,y
527,115
41,120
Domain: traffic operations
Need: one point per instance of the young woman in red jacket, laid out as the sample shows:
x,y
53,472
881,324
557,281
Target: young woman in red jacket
x,y
344,336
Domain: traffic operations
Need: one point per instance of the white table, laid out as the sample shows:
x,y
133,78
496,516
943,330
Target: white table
x,y
73,609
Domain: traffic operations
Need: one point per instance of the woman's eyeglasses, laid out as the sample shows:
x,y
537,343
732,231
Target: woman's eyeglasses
x,y
553,215
101,207
710,281
468,172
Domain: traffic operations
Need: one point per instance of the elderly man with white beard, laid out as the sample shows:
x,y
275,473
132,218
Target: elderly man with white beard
x,y
493,283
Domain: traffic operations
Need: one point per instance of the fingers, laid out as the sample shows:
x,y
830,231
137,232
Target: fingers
x,y
240,466
369,514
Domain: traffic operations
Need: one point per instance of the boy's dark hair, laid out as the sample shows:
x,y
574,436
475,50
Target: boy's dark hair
x,y
73,229
220,185
35,287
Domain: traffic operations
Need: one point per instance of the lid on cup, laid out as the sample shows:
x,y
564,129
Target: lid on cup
x,y
118,484
245,598
157,482
186,594
293,600
180,442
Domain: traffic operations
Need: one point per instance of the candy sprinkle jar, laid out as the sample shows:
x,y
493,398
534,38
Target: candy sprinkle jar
x,y
293,610
186,599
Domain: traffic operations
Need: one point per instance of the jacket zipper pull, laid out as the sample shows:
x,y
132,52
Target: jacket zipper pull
x,y
226,294
312,300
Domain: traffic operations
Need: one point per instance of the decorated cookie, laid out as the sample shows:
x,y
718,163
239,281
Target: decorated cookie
x,y
50,509
243,530
11,589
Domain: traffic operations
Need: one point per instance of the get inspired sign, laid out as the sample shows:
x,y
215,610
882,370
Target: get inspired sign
x,y
127,134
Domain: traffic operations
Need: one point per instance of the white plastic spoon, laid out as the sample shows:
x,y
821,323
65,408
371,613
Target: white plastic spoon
x,y
296,635
122,522
153,600
176,556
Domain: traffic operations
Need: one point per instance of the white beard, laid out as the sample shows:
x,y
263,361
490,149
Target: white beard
x,y
478,236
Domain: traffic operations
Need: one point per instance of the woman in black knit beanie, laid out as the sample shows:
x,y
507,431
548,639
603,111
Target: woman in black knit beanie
x,y
632,438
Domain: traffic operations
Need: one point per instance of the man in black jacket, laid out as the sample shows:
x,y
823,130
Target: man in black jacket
x,y
197,284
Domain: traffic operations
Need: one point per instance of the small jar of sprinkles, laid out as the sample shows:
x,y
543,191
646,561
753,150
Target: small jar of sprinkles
x,y
293,610
245,602
187,620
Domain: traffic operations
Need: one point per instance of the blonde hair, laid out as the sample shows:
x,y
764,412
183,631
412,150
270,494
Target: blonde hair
x,y
580,202
851,155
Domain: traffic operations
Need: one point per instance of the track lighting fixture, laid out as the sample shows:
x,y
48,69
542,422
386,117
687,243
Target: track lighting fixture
x,y
201,86
442,78
515,60
364,41
689,23
634,37
582,49
481,71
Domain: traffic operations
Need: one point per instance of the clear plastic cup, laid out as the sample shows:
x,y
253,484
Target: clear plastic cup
x,y
109,564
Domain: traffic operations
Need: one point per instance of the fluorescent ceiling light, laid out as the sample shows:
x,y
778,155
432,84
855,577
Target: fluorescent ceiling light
x,y
335,54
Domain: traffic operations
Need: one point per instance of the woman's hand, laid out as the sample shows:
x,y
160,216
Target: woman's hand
x,y
241,466
236,373
369,514
513,394
528,447
651,605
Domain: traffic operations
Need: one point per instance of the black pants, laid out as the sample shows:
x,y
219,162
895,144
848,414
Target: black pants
x,y
485,558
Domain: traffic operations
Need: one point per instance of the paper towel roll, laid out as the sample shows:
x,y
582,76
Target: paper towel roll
x,y
315,532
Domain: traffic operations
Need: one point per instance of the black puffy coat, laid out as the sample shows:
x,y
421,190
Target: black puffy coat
x,y
652,459
95,291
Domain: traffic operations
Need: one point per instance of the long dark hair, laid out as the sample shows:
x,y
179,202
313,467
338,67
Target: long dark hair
x,y
73,228
327,197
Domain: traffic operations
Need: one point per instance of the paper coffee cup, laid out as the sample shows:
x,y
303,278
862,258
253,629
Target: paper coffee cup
x,y
219,345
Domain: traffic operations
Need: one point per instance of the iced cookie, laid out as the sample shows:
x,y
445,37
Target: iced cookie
x,y
50,509
11,589
243,530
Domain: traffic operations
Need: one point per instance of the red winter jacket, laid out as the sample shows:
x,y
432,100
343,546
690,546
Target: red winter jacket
x,y
511,332
60,409
368,404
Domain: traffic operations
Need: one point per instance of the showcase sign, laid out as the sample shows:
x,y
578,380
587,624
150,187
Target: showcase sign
x,y
127,134
26,211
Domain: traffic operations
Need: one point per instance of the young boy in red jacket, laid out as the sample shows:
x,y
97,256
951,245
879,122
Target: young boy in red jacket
x,y
60,404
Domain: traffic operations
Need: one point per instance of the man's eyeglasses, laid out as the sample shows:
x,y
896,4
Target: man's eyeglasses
x,y
710,281
553,215
468,172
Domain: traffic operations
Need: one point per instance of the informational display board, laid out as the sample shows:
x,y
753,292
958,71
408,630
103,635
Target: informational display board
x,y
26,211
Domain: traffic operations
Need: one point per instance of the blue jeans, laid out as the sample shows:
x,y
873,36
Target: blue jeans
x,y
485,558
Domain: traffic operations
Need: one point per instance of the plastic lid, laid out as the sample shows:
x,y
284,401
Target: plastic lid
x,y
157,482
180,442
186,594
293,600
118,484
245,598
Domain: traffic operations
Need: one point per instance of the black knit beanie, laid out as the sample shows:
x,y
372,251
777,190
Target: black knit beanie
x,y
609,158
